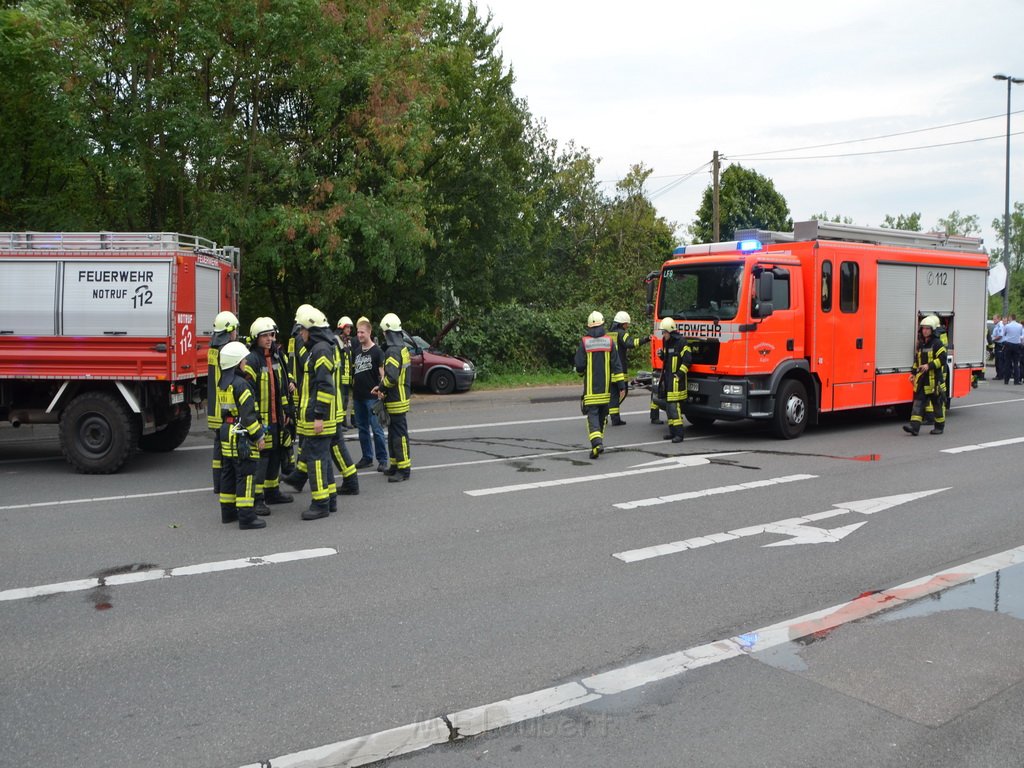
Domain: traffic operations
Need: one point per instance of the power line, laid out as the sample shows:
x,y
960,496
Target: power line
x,y
874,152
875,138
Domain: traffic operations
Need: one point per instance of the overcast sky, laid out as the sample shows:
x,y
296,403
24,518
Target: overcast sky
x,y
667,82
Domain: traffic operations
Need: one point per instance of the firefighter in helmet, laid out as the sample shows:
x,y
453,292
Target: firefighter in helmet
x,y
225,330
928,378
597,360
317,413
343,337
675,355
624,341
241,439
395,389
342,384
267,371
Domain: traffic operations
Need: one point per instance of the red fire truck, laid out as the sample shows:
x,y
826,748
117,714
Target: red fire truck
x,y
787,326
106,334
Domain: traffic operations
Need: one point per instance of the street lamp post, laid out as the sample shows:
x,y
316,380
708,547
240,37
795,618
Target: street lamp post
x,y
1010,81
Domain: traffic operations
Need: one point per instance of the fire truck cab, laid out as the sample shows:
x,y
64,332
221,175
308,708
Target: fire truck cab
x,y
787,326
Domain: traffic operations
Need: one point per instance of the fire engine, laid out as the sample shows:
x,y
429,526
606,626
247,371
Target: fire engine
x,y
106,334
786,326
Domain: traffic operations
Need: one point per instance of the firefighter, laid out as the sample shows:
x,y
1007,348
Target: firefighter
x,y
675,357
295,357
394,389
624,341
317,413
225,330
342,383
343,337
927,378
597,360
241,439
266,370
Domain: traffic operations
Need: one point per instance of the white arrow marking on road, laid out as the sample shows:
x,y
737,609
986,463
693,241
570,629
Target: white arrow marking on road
x,y
795,527
659,465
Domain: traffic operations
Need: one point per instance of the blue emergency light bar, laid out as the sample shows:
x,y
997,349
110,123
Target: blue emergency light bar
x,y
749,246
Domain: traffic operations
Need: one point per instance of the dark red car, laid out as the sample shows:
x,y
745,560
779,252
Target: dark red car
x,y
436,371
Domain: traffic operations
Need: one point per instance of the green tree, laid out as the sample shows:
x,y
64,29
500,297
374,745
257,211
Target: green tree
x,y
747,200
956,224
834,219
910,222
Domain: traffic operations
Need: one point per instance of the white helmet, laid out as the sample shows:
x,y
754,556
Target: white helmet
x,y
390,322
622,317
667,324
595,319
311,317
262,325
225,321
931,322
231,354
345,320
302,310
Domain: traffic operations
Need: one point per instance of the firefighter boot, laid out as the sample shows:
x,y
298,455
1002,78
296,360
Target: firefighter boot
x,y
617,420
913,428
677,434
332,503
228,514
275,496
400,476
260,506
350,485
247,520
296,480
938,429
317,510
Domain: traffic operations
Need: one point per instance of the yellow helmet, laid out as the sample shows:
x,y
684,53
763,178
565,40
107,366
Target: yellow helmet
x,y
390,322
667,324
595,319
231,354
262,325
225,321
931,322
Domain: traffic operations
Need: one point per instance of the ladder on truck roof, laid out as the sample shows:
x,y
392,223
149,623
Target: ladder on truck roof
x,y
852,233
829,230
116,242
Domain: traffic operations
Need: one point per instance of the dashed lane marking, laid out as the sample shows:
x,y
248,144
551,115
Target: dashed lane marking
x,y
457,726
983,446
155,574
207,489
689,495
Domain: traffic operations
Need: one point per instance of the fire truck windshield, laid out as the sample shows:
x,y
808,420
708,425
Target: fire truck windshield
x,y
700,291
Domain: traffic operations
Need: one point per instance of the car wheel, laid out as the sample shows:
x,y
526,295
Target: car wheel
x,y
442,382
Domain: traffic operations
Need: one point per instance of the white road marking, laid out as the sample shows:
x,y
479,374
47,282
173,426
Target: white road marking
x,y
660,465
155,574
476,720
795,527
689,495
208,489
983,446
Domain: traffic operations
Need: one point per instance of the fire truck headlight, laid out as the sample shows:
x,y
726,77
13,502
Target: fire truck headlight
x,y
727,406
732,389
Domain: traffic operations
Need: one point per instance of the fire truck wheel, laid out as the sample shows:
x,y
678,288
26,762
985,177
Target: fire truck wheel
x,y
168,438
97,434
791,410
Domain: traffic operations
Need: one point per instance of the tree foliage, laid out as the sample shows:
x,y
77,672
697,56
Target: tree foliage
x,y
957,224
747,200
910,222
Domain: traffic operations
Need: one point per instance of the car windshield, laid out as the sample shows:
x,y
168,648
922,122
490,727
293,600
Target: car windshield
x,y
700,291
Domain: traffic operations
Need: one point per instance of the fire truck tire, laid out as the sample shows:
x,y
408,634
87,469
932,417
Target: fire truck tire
x,y
97,433
792,410
168,438
442,382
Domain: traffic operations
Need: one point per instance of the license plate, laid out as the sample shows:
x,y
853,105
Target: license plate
x,y
692,386
177,397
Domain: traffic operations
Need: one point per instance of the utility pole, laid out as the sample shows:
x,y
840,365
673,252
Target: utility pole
x,y
1010,81
716,225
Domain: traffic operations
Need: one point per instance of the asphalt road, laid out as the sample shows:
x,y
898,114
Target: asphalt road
x,y
512,566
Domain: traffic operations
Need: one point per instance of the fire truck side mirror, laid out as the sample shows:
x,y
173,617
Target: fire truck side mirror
x,y
765,288
650,283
